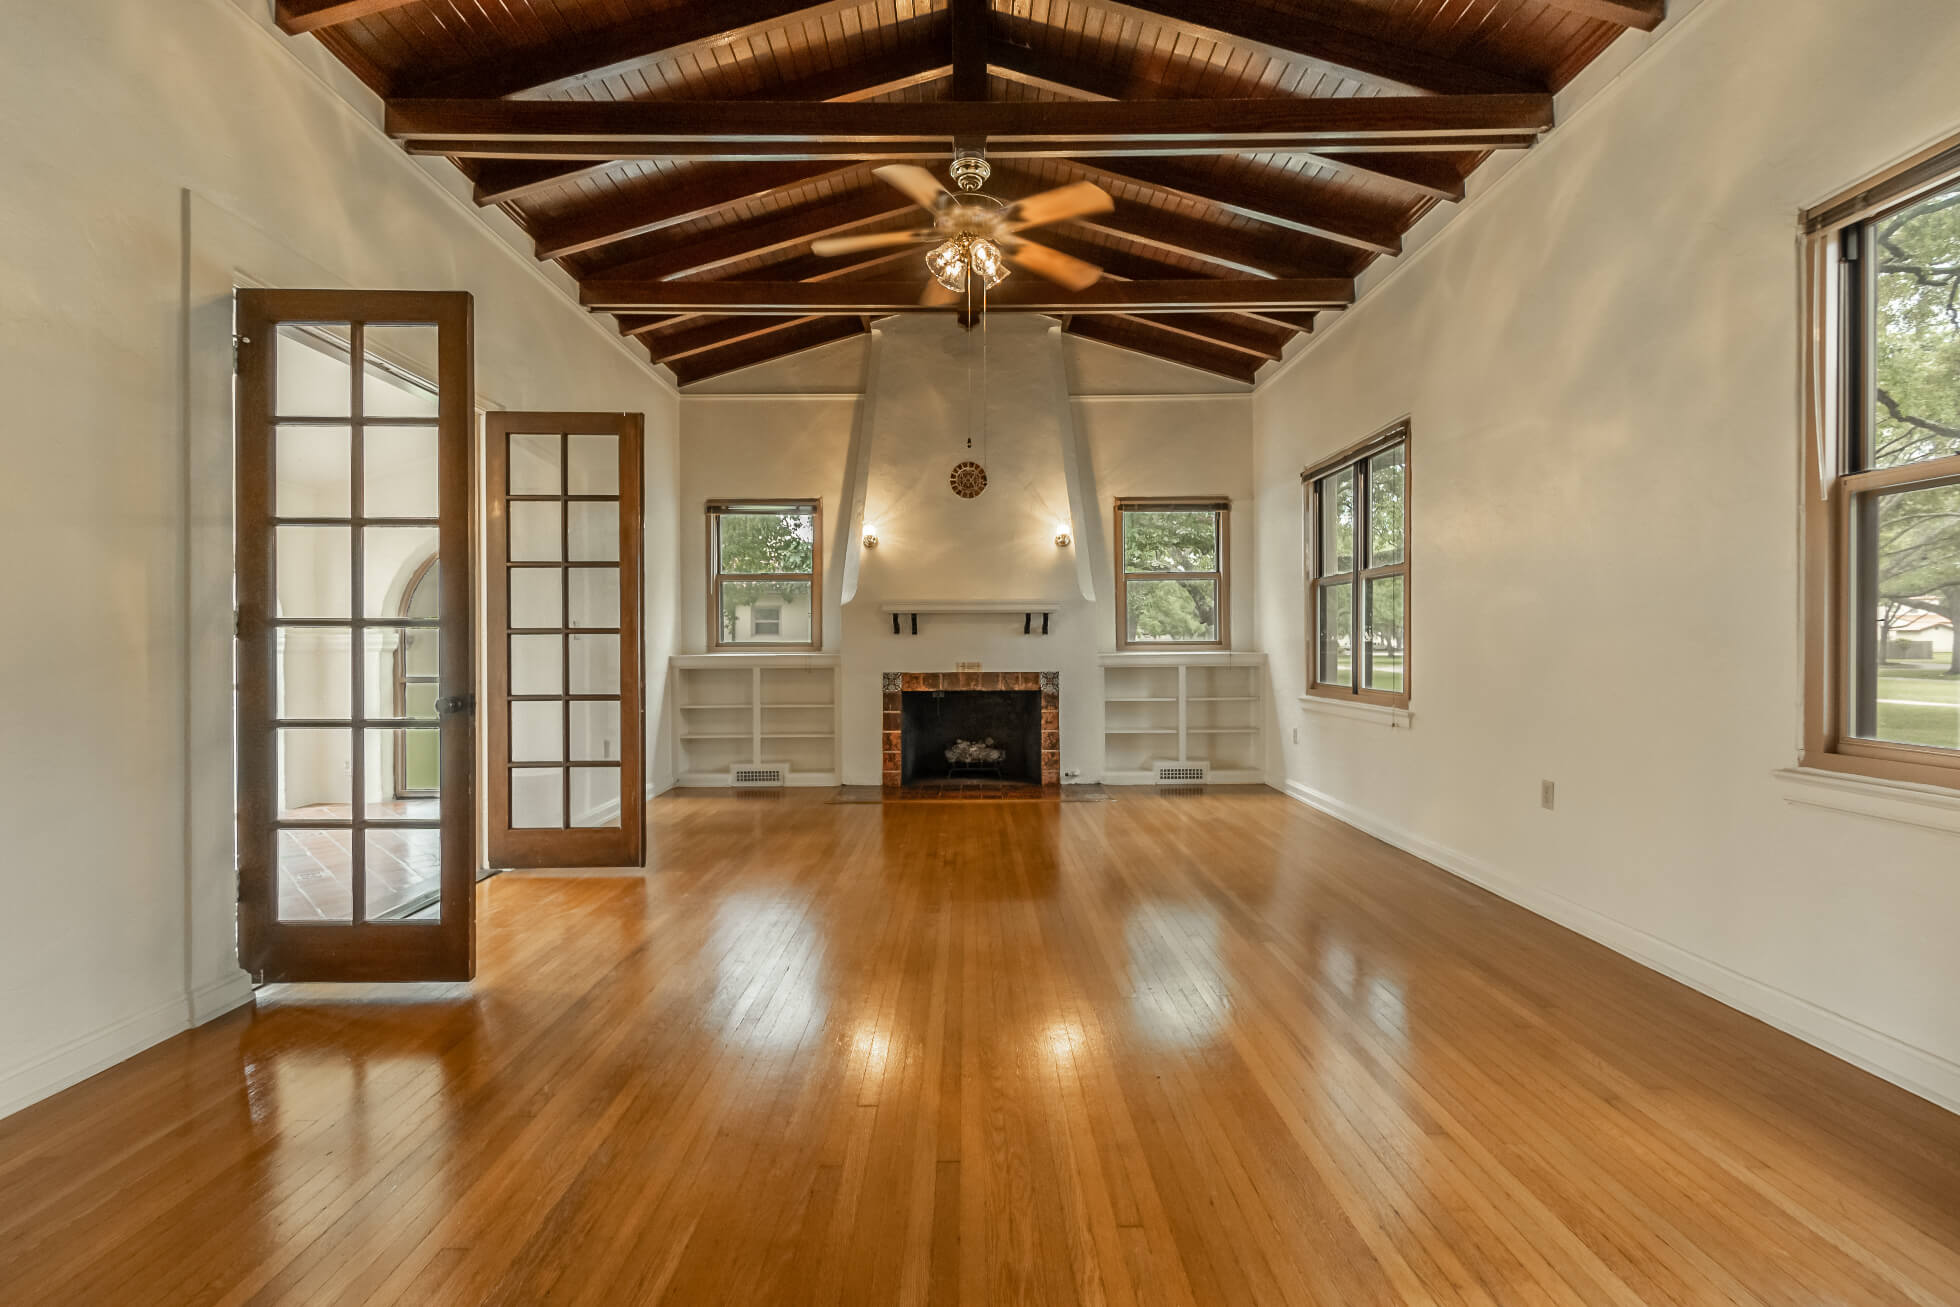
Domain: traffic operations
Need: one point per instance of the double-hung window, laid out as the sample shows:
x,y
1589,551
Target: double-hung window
x,y
1173,589
1358,571
765,574
1882,525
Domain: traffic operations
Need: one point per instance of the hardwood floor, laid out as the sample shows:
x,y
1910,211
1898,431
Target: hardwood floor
x,y
1207,1049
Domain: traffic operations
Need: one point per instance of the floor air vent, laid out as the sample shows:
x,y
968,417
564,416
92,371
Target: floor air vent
x,y
1183,773
758,775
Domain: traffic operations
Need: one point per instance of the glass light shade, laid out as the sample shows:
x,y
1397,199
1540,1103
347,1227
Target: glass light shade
x,y
987,261
948,263
964,256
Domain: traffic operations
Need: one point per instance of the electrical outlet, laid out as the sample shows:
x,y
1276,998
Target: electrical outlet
x,y
1547,795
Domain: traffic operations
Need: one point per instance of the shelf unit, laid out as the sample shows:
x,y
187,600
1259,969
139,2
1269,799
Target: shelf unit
x,y
755,708
1184,707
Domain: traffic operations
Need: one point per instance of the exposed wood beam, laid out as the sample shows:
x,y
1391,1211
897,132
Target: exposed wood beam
x,y
1020,295
970,25
1435,175
1296,38
298,17
1643,14
1213,329
807,268
668,33
764,349
704,252
751,129
920,61
637,213
1276,200
1148,338
671,347
1228,250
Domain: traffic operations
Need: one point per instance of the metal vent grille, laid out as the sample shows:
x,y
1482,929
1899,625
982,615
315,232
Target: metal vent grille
x,y
743,776
1183,773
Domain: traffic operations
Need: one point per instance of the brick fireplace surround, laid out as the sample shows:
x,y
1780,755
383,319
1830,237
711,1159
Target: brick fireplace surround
x,y
1049,683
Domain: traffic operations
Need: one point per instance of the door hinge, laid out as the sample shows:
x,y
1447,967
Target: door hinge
x,y
456,703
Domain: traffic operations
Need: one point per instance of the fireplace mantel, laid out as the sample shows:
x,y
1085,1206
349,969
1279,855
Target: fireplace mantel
x,y
1027,608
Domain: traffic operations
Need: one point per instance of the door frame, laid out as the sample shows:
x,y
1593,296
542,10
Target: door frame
x,y
357,950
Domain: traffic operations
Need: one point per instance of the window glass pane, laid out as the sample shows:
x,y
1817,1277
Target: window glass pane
x,y
403,771
316,875
534,465
1386,650
395,359
760,543
537,664
1385,499
537,798
592,464
594,532
314,469
315,567
594,599
398,472
1182,611
404,873
536,532
595,730
310,363
315,773
595,796
1911,688
537,597
1335,622
595,664
1337,522
1170,542
537,732
1917,356
765,612
391,567
315,671
391,654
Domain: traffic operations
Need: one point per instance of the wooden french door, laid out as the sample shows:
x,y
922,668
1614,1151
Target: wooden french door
x,y
566,717
355,417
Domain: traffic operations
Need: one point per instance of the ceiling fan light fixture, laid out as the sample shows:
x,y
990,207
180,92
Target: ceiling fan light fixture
x,y
966,255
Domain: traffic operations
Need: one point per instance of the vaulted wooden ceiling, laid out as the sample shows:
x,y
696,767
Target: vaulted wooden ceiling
x,y
678,158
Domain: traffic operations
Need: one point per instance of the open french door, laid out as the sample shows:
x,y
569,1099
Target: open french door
x,y
355,713
566,663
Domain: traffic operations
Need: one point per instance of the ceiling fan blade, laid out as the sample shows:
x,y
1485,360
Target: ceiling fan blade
x,y
1062,269
938,297
826,246
920,186
1071,201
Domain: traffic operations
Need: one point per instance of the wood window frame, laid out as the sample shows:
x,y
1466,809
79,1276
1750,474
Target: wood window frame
x,y
1357,456
715,510
1837,344
403,679
1221,507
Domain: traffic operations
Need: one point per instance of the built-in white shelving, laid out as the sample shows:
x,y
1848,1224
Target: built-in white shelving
x,y
1184,708
755,708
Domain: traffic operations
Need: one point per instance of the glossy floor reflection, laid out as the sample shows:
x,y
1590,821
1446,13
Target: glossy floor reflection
x,y
1206,1049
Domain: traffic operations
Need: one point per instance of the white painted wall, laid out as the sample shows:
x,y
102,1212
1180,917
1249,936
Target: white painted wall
x,y
786,430
1600,357
194,149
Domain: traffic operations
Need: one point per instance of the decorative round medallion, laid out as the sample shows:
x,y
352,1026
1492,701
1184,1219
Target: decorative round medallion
x,y
969,479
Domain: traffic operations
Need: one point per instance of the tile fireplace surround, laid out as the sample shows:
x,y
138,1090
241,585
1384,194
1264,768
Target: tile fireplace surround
x,y
1049,683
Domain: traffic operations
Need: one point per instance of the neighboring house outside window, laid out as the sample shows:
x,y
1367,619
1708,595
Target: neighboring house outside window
x,y
765,573
1173,563
1882,508
1358,572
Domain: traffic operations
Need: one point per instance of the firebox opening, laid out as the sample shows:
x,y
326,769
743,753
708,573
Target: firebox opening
x,y
934,721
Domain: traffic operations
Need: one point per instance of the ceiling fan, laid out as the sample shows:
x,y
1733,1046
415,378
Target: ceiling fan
x,y
977,235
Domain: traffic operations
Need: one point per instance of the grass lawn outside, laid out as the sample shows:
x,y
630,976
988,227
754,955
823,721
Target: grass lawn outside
x,y
1918,703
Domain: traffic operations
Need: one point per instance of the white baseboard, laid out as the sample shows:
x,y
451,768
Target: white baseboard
x,y
212,1000
1918,1070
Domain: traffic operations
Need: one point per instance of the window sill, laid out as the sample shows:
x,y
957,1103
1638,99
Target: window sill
x,y
1400,719
1930,807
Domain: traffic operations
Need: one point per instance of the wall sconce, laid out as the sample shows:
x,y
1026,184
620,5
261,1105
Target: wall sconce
x,y
870,536
1062,537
